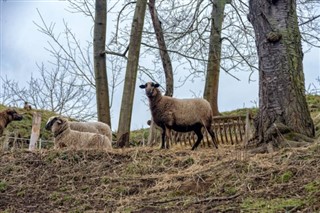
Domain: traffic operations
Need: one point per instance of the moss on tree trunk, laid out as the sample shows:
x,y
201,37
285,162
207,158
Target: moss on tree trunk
x,y
282,100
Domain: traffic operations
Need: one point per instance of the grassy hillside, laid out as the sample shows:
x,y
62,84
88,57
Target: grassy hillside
x,y
23,128
141,179
151,180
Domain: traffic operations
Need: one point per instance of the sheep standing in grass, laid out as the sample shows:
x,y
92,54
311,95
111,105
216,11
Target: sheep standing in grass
x,y
6,117
64,136
93,127
181,115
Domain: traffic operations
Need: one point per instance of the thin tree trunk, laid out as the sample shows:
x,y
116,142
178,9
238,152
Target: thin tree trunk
x,y
213,67
131,73
282,102
100,69
165,58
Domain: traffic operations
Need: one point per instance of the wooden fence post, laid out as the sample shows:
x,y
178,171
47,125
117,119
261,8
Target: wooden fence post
x,y
152,133
248,130
35,132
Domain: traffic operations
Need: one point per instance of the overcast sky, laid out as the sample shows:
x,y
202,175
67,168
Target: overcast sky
x,y
22,46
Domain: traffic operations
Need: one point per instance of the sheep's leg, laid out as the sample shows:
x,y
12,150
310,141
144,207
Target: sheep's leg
x,y
163,137
168,136
213,137
199,138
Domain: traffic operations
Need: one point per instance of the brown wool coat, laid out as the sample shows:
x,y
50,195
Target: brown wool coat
x,y
6,117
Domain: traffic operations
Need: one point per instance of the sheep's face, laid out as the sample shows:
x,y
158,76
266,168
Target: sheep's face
x,y
150,88
54,123
13,115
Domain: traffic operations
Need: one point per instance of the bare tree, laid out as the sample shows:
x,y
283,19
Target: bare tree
x,y
69,49
186,27
54,90
100,69
282,102
214,57
165,58
308,16
131,73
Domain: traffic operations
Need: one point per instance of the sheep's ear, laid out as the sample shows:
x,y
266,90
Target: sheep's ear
x,y
156,85
59,121
142,86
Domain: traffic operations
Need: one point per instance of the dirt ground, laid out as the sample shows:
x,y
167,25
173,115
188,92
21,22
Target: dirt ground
x,y
151,180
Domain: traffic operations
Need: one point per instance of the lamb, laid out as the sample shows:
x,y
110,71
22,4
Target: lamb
x,y
93,127
7,116
65,137
181,115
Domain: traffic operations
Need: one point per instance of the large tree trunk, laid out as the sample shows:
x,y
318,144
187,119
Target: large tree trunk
x,y
282,102
100,69
165,58
213,67
131,73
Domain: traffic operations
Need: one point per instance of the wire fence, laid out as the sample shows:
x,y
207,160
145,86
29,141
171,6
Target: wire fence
x,y
230,130
10,141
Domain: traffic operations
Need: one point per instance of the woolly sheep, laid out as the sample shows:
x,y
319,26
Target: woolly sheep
x,y
27,106
93,127
7,116
64,136
181,115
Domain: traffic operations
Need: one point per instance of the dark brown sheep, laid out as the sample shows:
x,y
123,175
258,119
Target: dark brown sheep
x,y
7,116
181,115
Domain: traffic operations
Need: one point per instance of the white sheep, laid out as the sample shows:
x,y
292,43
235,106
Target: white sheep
x,y
64,136
93,127
181,115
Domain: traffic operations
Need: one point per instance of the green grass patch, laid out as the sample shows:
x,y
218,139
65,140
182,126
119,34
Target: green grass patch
x,y
286,176
137,137
54,196
188,162
242,111
3,186
273,205
313,187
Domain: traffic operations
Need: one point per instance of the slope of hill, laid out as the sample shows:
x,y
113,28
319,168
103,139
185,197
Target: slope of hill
x,y
151,180
141,179
23,128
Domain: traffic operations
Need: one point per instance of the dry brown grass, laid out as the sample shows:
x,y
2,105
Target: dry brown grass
x,y
152,180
